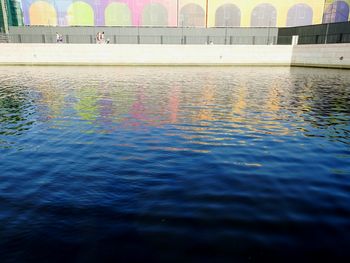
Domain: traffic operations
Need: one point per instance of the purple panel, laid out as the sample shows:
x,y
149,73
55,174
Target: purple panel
x,y
299,15
228,15
336,12
264,15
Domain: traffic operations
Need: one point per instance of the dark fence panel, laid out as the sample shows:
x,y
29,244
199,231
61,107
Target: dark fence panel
x,y
317,34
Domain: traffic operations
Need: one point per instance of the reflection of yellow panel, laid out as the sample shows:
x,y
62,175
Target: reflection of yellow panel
x,y
86,106
80,14
247,6
42,13
117,14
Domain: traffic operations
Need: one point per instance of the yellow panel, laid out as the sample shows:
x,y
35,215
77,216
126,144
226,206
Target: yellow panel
x,y
42,13
117,14
246,7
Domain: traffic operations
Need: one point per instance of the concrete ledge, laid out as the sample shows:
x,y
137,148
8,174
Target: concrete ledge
x,y
322,56
150,64
94,54
327,56
308,65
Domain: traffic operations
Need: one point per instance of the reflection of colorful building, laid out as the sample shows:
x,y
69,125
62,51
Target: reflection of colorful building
x,y
197,13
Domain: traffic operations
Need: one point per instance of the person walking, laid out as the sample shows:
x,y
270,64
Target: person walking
x,y
98,38
103,38
59,38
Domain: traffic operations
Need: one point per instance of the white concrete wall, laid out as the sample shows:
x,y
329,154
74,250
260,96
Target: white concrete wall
x,y
329,56
333,55
104,54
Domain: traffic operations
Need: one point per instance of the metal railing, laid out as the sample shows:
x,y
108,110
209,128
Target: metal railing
x,y
178,40
147,39
325,39
330,33
317,39
4,38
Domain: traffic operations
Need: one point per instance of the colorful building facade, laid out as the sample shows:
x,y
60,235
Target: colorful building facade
x,y
187,13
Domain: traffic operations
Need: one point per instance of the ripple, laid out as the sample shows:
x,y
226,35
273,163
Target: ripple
x,y
242,164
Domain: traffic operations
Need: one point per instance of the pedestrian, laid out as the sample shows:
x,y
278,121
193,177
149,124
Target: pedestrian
x,y
103,38
59,38
98,38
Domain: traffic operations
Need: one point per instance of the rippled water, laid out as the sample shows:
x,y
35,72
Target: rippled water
x,y
174,164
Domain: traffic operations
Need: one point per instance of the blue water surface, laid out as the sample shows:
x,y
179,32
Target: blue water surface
x,y
174,164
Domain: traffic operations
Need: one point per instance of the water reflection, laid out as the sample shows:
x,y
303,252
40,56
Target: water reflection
x,y
207,158
259,101
16,110
324,103
174,103
86,106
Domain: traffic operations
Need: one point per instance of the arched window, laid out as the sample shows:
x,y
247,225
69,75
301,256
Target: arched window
x,y
338,11
299,15
117,14
42,13
192,15
154,14
264,15
228,15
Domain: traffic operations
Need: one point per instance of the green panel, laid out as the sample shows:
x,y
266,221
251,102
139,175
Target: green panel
x,y
80,14
15,16
14,13
155,15
2,22
117,14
